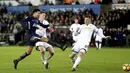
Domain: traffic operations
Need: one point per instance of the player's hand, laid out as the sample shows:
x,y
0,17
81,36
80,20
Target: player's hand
x,y
44,39
75,34
108,37
33,38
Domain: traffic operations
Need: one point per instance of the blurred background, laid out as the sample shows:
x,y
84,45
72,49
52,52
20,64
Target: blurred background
x,y
112,15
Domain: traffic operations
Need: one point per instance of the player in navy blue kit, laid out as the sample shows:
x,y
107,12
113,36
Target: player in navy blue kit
x,y
30,24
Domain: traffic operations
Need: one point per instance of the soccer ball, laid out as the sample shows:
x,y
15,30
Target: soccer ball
x,y
126,67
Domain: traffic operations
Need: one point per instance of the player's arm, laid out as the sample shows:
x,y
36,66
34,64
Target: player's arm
x,y
94,34
71,29
99,32
78,31
43,25
95,29
51,28
38,38
24,23
103,36
43,39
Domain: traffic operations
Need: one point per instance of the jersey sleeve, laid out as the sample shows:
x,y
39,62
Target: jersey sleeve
x,y
94,34
71,28
78,30
46,22
23,22
101,33
95,29
43,25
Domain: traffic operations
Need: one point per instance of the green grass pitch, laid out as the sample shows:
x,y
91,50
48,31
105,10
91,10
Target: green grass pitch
x,y
106,60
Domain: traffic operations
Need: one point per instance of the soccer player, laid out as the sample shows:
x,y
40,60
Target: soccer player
x,y
30,24
42,32
99,37
42,46
83,41
73,29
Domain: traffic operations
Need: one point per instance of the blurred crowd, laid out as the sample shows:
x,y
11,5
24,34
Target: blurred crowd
x,y
114,23
64,2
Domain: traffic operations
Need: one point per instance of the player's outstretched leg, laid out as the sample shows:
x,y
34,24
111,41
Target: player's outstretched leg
x,y
15,63
51,53
96,43
47,65
44,60
62,47
73,69
100,45
72,59
77,61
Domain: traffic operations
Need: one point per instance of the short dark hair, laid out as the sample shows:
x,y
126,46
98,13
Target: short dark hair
x,y
35,10
88,16
43,12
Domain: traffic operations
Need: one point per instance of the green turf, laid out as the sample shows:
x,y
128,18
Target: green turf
x,y
106,60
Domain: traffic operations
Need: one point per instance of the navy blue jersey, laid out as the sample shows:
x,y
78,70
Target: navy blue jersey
x,y
30,25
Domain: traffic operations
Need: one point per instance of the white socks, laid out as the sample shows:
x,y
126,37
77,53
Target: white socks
x,y
96,45
100,45
72,60
43,58
77,61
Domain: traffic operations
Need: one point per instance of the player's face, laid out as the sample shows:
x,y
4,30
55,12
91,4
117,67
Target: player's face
x,y
37,14
87,20
42,15
76,21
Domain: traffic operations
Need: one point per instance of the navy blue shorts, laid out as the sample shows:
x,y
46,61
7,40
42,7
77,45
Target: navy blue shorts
x,y
30,42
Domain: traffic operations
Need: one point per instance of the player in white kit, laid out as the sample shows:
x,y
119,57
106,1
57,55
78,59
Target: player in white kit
x,y
73,29
83,41
98,38
43,45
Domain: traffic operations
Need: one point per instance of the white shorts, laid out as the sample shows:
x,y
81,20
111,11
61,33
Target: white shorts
x,y
98,39
75,38
44,44
77,47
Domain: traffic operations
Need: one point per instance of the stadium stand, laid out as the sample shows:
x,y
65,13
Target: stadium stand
x,y
114,22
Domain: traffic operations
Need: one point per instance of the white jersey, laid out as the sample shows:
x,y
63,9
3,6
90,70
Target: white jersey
x,y
86,33
84,37
73,28
42,31
99,35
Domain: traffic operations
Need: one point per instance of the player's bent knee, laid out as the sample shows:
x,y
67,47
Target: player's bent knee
x,y
72,55
27,53
83,51
42,51
52,54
